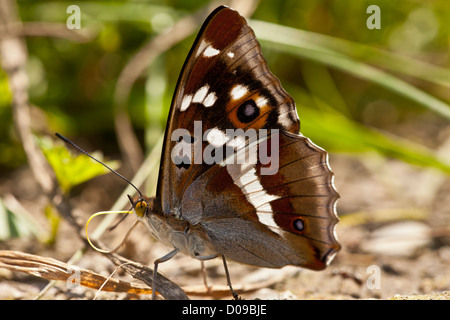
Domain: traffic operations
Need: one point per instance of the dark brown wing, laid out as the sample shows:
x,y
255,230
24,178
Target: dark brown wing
x,y
224,69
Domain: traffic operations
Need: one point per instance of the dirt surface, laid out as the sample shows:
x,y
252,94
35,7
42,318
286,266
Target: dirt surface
x,y
394,232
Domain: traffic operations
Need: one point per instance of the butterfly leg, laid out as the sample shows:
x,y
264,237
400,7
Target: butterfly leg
x,y
235,295
227,274
165,258
203,258
205,279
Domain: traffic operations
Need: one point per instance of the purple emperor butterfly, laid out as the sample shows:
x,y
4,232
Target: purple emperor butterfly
x,y
266,214
212,200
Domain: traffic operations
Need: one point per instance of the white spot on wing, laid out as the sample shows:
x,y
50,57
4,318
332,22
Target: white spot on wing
x,y
186,102
267,218
255,194
284,117
330,258
210,51
237,142
261,101
230,54
201,47
216,137
238,91
200,94
284,120
210,99
253,189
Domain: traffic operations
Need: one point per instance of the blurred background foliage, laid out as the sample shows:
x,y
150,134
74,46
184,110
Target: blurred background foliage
x,y
357,90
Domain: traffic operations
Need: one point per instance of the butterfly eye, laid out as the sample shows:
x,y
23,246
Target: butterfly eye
x,y
140,208
298,225
248,111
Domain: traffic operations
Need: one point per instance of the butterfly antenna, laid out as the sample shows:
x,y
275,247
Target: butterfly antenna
x,y
110,169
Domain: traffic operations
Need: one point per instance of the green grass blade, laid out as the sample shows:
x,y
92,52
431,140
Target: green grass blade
x,y
358,51
293,43
337,133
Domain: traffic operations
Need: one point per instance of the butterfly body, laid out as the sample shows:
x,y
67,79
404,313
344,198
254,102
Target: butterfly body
x,y
179,234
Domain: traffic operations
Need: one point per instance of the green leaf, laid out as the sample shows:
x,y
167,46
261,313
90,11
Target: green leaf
x,y
72,170
54,220
8,223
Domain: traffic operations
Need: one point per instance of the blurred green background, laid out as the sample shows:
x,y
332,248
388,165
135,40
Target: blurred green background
x,y
374,98
357,89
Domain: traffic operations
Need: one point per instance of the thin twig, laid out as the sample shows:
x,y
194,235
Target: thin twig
x,y
52,269
14,57
166,288
50,30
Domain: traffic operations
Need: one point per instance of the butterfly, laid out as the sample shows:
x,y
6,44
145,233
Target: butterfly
x,y
237,180
211,200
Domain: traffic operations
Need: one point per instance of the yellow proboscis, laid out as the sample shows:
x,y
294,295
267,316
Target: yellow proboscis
x,y
95,215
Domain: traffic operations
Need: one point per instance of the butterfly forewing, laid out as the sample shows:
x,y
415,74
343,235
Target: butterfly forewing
x,y
286,216
224,69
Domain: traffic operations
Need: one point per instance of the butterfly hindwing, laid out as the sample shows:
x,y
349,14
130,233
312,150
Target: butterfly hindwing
x,y
270,220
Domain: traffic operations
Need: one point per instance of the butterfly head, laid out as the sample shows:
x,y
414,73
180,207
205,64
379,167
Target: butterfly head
x,y
142,205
